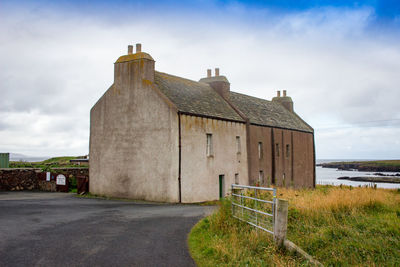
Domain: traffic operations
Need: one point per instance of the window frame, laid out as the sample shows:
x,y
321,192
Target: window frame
x,y
209,145
261,177
287,150
238,145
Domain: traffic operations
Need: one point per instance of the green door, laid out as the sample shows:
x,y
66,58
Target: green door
x,y
221,186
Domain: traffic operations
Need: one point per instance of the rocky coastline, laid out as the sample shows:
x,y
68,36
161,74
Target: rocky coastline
x,y
367,166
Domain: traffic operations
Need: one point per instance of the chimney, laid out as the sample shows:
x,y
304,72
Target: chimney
x,y
219,83
285,100
138,48
132,68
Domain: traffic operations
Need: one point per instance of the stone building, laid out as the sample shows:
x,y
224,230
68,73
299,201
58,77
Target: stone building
x,y
159,137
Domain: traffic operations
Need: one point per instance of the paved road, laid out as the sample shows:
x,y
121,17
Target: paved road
x,y
57,229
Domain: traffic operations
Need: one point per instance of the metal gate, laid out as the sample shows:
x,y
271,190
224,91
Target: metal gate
x,y
254,205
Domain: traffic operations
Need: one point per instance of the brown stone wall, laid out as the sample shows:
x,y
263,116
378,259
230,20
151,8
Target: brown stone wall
x,y
18,179
35,179
303,161
278,135
288,157
260,134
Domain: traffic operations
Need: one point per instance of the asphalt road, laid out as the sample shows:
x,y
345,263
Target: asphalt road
x,y
58,229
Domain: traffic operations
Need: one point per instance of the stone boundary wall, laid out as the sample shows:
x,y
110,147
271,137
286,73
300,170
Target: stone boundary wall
x,y
16,179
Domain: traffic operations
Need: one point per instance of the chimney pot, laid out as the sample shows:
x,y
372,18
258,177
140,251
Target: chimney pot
x,y
278,93
138,48
216,71
130,49
284,92
208,73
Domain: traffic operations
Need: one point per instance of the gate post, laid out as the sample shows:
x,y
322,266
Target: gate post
x,y
280,224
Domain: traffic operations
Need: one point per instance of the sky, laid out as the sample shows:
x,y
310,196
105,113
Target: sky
x,y
338,60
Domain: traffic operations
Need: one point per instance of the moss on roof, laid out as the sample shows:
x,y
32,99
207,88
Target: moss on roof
x,y
139,55
195,97
267,113
199,98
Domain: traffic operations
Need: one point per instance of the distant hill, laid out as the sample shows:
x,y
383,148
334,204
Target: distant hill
x,y
55,162
22,157
367,166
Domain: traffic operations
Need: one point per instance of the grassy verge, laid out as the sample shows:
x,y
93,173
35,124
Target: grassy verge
x,y
339,226
220,240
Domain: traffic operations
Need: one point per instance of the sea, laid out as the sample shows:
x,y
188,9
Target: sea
x,y
328,176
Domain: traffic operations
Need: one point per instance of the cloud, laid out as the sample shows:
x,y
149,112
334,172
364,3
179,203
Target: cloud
x,y
337,67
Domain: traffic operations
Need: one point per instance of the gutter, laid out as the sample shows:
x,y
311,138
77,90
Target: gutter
x,y
248,144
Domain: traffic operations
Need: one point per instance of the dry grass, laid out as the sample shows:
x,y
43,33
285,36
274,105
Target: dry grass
x,y
339,226
220,240
335,199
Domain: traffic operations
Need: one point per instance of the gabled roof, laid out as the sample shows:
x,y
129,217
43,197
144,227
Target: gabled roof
x,y
267,113
194,97
197,98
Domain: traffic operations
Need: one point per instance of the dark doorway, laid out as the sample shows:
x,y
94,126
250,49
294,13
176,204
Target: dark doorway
x,y
221,186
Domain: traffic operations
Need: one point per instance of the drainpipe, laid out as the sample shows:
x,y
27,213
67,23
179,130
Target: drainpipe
x,y
313,140
248,147
273,156
180,159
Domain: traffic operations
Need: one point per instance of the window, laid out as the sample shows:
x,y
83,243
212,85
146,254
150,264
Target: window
x,y
261,178
287,151
238,144
260,152
277,149
236,178
209,145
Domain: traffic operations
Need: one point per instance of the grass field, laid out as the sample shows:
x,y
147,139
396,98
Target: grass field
x,y
339,226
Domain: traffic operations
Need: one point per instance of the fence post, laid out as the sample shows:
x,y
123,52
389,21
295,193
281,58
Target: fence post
x,y
280,224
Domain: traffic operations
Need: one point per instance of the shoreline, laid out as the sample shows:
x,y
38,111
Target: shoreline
x,y
366,166
385,179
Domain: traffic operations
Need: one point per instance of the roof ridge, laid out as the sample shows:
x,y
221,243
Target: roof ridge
x,y
194,97
269,101
268,113
179,77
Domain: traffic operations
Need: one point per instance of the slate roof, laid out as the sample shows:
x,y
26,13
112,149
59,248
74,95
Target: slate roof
x,y
200,99
194,97
267,113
